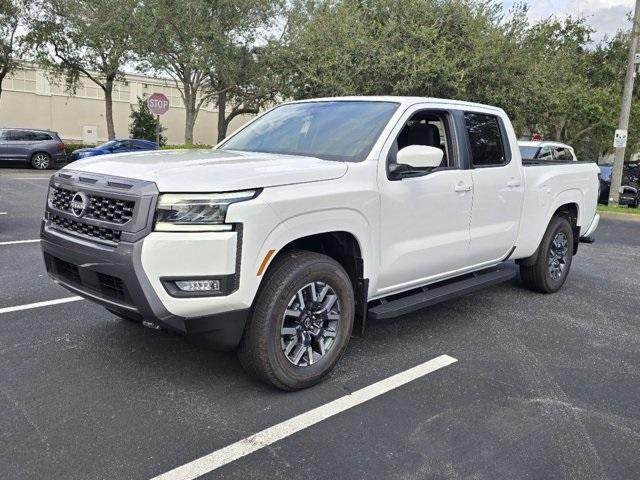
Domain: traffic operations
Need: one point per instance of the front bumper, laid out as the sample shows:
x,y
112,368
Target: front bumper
x,y
116,278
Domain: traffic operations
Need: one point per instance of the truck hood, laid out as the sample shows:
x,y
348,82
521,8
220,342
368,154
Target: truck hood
x,y
212,170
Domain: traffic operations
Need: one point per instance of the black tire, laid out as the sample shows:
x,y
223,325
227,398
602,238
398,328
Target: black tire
x,y
539,277
261,350
41,161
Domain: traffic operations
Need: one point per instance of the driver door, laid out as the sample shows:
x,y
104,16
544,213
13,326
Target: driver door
x,y
426,218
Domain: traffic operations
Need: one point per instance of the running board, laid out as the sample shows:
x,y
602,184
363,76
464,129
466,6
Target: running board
x,y
441,292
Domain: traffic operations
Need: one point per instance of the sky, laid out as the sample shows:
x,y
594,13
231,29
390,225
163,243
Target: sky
x,y
605,16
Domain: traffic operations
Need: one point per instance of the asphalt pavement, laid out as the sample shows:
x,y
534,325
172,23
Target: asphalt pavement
x,y
544,387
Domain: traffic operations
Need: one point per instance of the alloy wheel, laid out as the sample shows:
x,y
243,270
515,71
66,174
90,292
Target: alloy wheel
x,y
40,161
309,324
557,260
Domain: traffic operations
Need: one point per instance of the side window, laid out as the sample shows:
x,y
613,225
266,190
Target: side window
x,y
41,136
545,154
485,140
429,128
563,154
16,135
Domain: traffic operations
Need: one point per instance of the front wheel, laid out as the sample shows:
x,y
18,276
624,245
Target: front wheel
x,y
301,321
41,161
549,272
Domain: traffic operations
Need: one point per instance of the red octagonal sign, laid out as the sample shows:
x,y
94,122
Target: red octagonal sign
x,y
158,104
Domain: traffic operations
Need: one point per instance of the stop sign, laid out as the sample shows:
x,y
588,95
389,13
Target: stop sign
x,y
158,104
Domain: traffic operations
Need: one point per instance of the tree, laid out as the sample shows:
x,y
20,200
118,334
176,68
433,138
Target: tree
x,y
243,81
93,38
547,75
190,40
144,124
12,21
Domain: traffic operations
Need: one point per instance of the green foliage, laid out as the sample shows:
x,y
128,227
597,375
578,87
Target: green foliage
x,y
548,75
90,38
186,146
70,147
144,124
196,41
13,19
619,210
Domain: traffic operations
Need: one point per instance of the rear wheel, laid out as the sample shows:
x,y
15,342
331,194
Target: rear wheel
x,y
41,161
301,321
549,272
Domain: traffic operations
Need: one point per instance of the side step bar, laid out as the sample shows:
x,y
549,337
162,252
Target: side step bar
x,y
441,292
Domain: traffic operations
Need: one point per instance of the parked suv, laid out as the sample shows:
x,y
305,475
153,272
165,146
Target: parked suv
x,y
41,148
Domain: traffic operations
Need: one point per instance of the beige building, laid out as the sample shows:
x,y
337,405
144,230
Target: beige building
x,y
31,98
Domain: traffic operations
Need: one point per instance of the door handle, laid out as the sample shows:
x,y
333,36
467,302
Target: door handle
x,y
513,182
462,187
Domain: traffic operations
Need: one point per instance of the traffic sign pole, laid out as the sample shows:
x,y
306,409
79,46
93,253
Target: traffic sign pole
x,y
620,138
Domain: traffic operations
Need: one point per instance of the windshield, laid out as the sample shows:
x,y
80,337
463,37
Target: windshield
x,y
108,145
337,130
528,153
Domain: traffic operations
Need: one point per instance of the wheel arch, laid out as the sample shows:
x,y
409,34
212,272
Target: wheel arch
x,y
570,211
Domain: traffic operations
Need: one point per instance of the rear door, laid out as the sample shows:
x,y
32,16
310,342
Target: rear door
x,y
498,188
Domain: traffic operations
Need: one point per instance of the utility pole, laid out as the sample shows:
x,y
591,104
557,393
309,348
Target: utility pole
x,y
620,139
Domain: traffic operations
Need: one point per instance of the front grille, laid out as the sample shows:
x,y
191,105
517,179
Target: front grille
x,y
102,284
93,232
113,210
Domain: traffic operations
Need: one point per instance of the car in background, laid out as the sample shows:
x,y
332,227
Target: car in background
x,y
120,145
43,149
547,151
630,189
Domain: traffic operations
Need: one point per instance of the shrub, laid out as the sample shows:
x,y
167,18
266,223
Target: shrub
x,y
70,147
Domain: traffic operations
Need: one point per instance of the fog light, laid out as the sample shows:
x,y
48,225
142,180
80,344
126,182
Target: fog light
x,y
198,285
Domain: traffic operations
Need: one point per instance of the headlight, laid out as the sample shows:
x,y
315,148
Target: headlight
x,y
196,212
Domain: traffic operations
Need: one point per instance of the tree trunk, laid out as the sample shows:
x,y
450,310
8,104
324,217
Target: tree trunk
x,y
108,101
222,118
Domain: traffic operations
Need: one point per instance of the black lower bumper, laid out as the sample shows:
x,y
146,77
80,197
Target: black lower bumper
x,y
113,277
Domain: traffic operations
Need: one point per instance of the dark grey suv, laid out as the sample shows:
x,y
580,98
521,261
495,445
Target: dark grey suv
x,y
41,148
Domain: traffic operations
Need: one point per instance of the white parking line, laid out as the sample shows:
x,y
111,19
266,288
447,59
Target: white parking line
x,y
30,178
3,213
266,437
16,242
28,306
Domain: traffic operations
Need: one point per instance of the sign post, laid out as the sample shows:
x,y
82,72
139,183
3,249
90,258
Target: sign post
x,y
158,104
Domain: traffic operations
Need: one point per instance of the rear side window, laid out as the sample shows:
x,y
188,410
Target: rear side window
x,y
561,153
485,140
42,136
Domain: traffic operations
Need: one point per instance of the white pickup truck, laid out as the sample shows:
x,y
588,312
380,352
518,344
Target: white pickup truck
x,y
311,217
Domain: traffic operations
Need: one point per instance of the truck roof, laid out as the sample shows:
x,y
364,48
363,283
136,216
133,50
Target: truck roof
x,y
402,100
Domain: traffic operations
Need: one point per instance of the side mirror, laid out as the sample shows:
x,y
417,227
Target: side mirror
x,y
418,157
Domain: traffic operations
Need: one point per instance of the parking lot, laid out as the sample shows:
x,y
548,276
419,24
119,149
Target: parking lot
x,y
544,387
